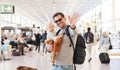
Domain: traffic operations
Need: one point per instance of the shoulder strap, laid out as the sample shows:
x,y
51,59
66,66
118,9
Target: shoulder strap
x,y
110,41
58,32
68,34
110,47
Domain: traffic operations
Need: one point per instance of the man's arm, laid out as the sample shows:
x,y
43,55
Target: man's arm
x,y
73,26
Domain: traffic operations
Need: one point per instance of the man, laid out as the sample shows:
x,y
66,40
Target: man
x,y
9,34
42,41
89,39
64,60
37,38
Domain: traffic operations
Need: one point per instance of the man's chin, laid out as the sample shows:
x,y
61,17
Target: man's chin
x,y
62,27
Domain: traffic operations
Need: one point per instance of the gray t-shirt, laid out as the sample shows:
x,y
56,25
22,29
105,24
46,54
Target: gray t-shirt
x,y
65,56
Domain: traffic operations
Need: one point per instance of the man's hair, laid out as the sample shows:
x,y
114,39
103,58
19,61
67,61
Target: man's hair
x,y
58,13
88,29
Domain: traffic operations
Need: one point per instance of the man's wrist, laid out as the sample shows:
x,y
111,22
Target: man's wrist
x,y
73,26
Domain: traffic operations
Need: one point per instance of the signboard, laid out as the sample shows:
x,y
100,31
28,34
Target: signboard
x,y
6,9
115,41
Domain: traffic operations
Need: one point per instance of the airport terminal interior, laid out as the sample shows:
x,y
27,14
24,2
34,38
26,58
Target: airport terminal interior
x,y
25,28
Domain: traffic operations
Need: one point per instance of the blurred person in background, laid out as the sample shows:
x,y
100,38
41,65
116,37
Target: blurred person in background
x,y
37,40
21,43
104,42
89,39
43,38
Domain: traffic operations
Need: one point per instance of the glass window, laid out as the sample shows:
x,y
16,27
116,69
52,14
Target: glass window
x,y
117,9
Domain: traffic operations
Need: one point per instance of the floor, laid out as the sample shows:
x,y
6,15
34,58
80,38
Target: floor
x,y
42,62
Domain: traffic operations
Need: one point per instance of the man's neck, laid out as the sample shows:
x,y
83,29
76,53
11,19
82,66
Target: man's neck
x,y
64,26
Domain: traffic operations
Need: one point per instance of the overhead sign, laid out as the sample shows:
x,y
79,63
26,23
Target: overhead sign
x,y
6,9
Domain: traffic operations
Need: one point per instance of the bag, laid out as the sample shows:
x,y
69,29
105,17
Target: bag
x,y
79,49
110,47
104,57
6,52
80,41
79,55
89,37
16,52
7,55
79,52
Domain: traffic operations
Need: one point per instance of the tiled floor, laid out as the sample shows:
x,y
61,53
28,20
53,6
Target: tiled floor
x,y
32,59
42,62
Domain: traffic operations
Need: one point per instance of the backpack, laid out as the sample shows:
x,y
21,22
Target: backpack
x,y
89,37
79,49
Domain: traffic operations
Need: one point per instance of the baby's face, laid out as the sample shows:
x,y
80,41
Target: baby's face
x,y
51,28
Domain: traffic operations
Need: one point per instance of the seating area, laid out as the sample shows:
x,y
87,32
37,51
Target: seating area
x,y
43,62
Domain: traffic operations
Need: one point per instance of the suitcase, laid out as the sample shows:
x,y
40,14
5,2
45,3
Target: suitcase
x,y
15,52
104,58
6,52
6,55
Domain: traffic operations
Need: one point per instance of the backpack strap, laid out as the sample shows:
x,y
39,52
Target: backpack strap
x,y
68,34
110,41
58,32
110,47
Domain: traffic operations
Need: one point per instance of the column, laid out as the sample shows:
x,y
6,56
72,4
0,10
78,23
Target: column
x,y
113,15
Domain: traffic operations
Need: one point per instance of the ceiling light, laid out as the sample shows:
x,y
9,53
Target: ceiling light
x,y
53,7
41,7
29,7
38,0
69,0
21,0
85,1
26,4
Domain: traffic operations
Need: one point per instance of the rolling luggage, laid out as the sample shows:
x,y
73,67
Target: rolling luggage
x,y
6,52
16,52
104,57
7,55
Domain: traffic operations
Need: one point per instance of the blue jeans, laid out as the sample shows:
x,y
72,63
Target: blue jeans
x,y
62,67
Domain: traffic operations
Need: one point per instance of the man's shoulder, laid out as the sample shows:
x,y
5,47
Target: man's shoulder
x,y
91,33
85,33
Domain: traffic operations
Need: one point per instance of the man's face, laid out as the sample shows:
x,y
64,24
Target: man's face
x,y
60,21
